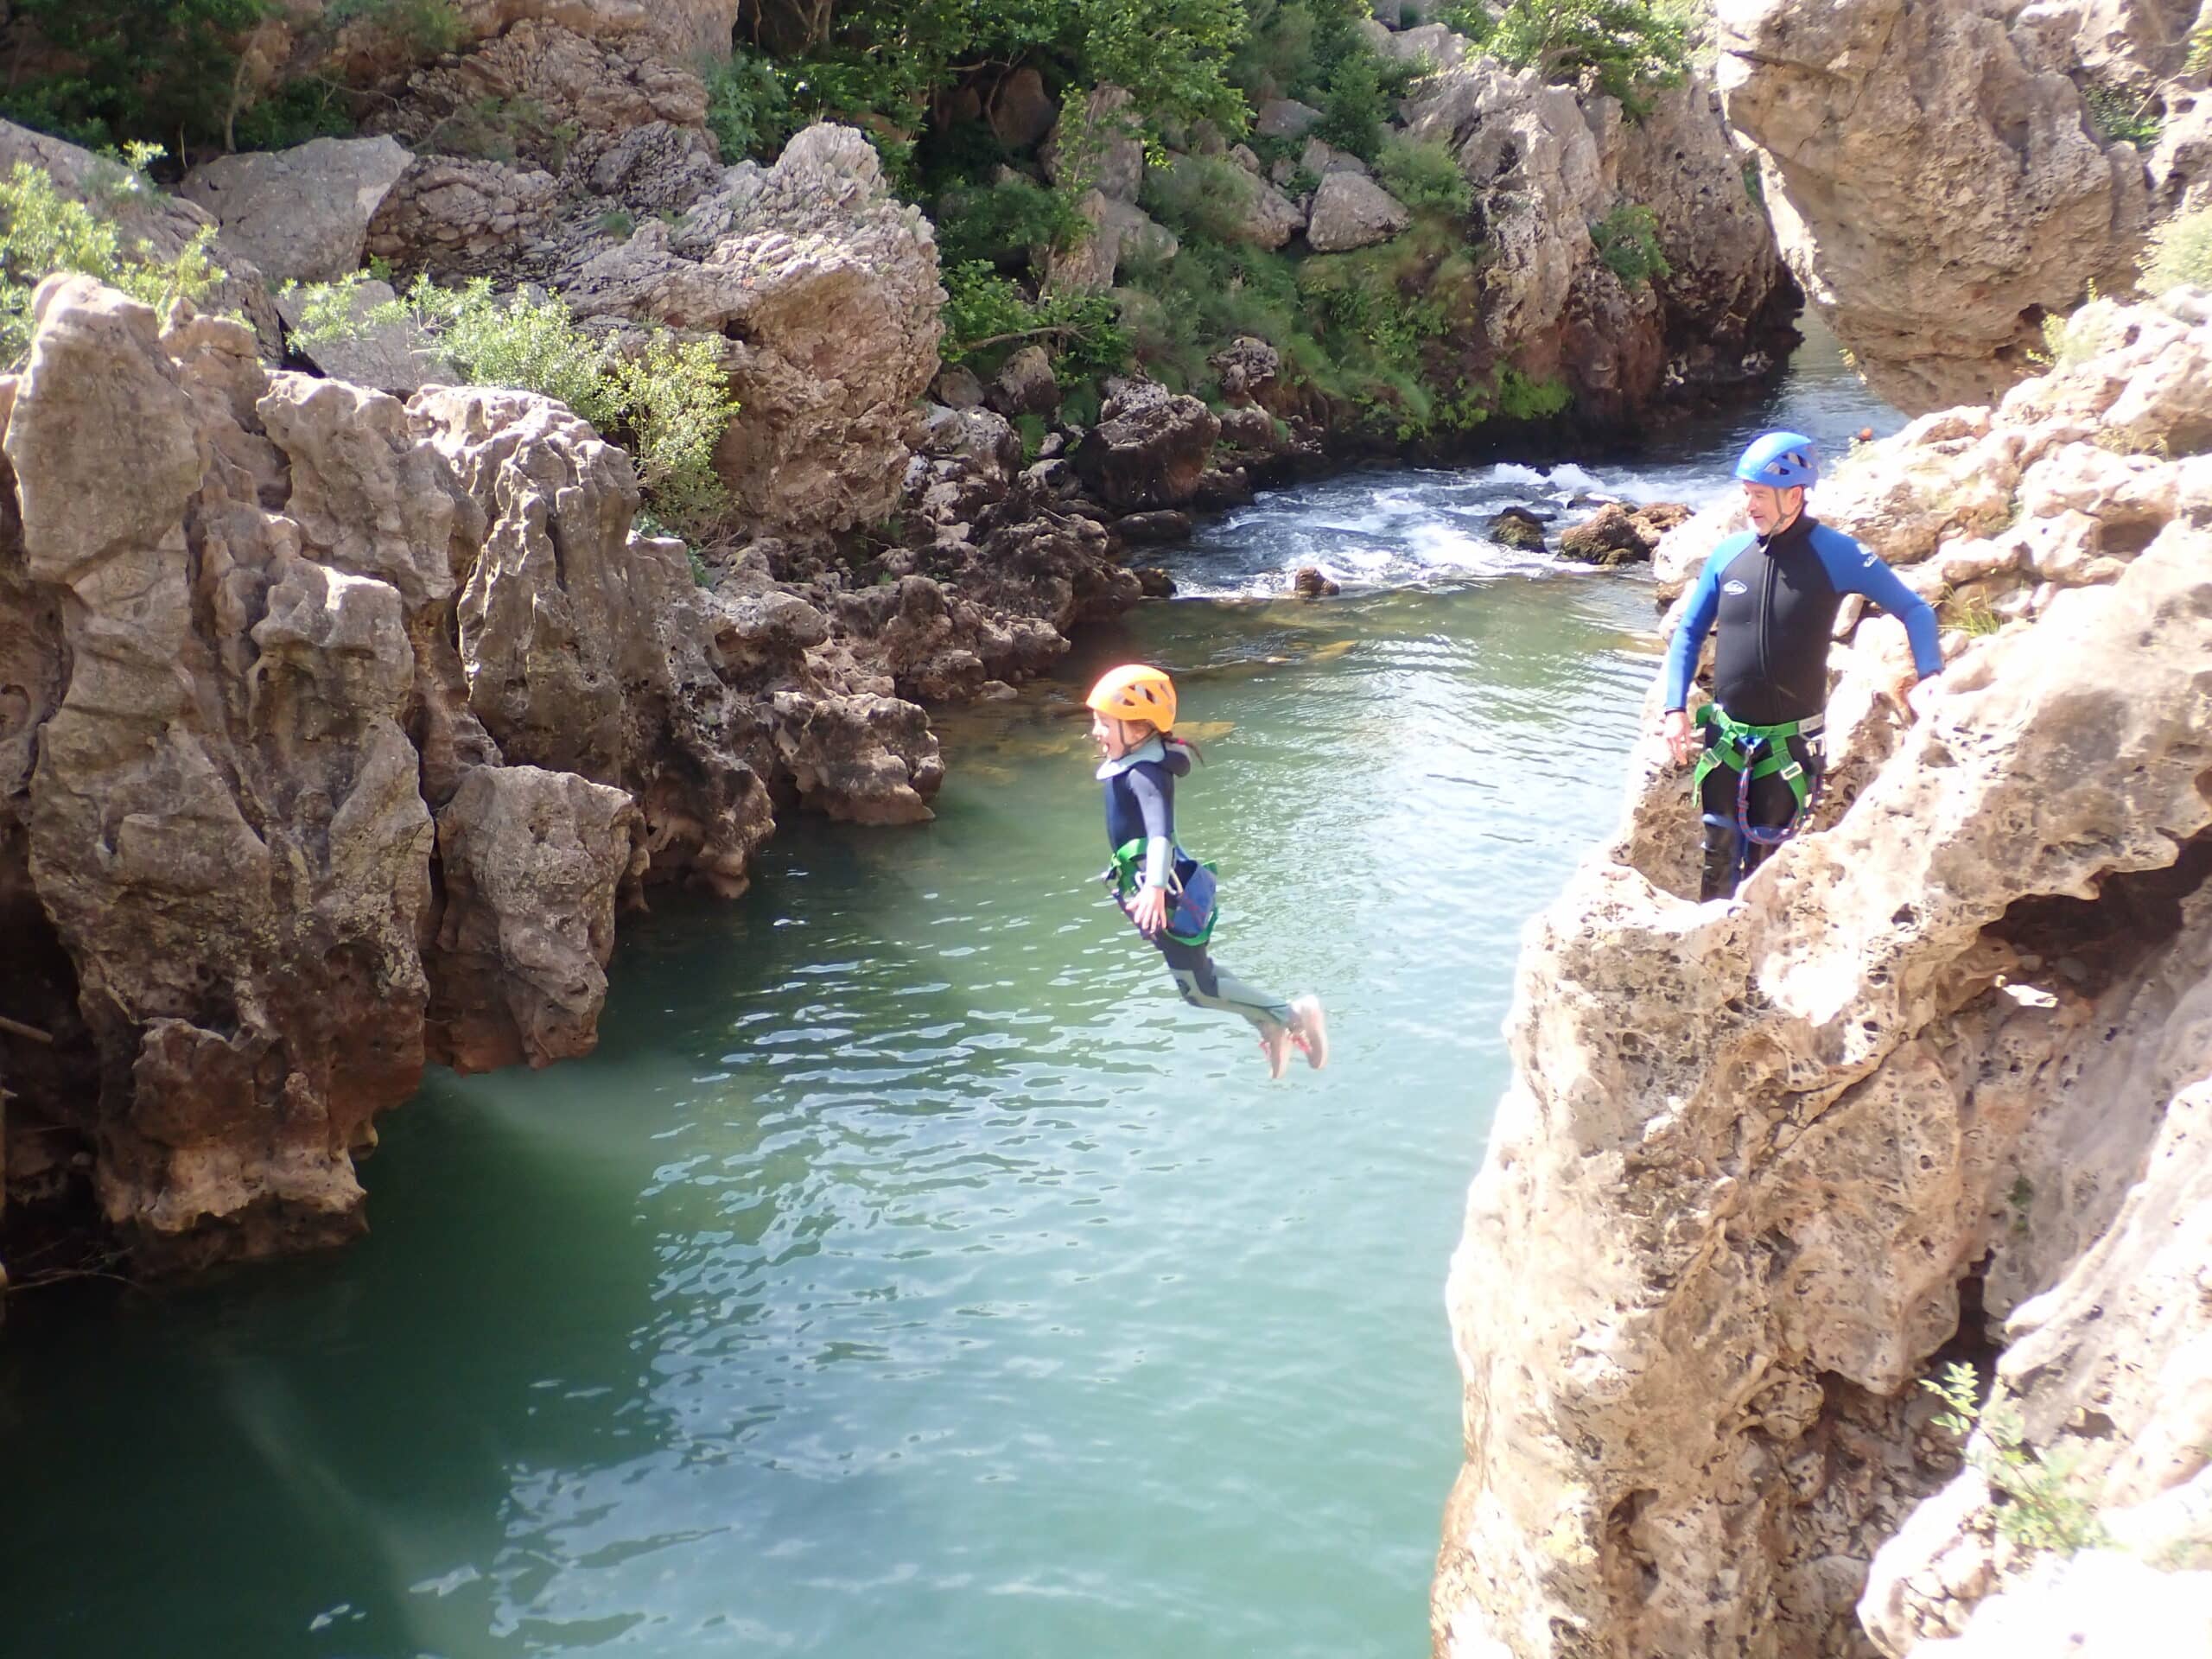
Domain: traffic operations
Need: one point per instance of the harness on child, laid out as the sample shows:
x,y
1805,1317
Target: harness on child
x,y
1756,751
1192,887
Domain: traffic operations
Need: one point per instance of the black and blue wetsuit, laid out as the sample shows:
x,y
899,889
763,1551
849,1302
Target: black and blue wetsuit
x,y
1775,603
1141,806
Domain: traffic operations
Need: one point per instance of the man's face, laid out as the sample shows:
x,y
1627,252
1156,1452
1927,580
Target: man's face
x,y
1769,508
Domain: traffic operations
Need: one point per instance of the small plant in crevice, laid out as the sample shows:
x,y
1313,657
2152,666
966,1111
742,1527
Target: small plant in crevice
x,y
2180,251
1628,243
2042,1507
2118,113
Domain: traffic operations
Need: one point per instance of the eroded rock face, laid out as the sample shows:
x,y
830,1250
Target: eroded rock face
x,y
1934,179
275,651
1544,170
1940,1063
1149,449
827,287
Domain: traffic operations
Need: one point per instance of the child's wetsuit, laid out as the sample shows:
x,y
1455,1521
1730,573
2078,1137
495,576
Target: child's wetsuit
x,y
1141,806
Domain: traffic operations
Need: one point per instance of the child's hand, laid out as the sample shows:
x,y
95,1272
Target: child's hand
x,y
1149,913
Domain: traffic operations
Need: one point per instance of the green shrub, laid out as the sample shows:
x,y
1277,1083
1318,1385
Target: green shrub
x,y
141,70
1206,196
985,312
1354,108
1627,46
1002,222
1521,398
2041,1507
420,29
2180,251
2116,113
2199,51
43,231
1470,18
1424,173
748,107
668,403
1628,241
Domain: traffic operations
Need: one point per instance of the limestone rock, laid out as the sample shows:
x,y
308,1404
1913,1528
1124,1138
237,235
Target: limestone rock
x,y
826,285
1119,230
1024,384
399,358
302,215
532,861
457,218
1431,46
1149,450
1286,118
1941,1070
1518,527
1936,192
1022,112
1350,211
1619,534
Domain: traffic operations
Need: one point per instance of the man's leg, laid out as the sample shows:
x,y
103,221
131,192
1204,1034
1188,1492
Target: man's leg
x,y
1773,804
1716,802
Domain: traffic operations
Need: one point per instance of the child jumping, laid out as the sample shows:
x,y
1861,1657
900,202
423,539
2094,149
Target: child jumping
x,y
1167,893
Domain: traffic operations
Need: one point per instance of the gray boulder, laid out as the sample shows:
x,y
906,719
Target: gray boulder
x,y
302,215
1352,211
1286,118
1025,385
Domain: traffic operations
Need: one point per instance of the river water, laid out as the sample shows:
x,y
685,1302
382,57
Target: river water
x,y
909,1271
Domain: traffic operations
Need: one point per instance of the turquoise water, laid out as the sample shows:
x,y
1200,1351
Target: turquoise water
x,y
910,1271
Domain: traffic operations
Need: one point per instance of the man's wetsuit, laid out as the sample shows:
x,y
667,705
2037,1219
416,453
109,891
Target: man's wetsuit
x,y
1141,806
1775,602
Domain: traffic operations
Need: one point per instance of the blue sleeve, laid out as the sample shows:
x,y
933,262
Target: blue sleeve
x,y
1855,571
1697,622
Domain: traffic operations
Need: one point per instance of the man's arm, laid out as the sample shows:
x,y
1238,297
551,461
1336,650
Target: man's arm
x,y
1697,621
1861,572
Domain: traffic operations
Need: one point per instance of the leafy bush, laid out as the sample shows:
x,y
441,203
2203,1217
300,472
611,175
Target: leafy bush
x,y
2116,113
1424,173
1627,46
668,404
1628,241
2180,251
1000,222
43,231
748,107
145,71
420,28
1201,195
1354,108
984,311
2041,1507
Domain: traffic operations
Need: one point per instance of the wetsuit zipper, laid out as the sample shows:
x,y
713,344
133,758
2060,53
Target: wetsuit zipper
x,y
1766,611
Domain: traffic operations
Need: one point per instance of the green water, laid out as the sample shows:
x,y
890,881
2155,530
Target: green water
x,y
909,1270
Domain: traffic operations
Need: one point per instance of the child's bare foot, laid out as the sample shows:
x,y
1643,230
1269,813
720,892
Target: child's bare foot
x,y
1275,1043
1309,1029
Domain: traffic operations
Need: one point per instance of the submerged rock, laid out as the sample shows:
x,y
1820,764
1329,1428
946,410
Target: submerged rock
x,y
1516,527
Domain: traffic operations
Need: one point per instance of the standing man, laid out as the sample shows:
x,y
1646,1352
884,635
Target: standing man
x,y
1774,592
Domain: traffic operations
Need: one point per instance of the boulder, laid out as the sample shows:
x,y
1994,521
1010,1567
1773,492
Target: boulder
x,y
1620,534
1311,582
1286,118
395,356
302,215
1024,384
825,285
1022,112
1149,449
1431,46
1147,529
1322,159
956,387
1518,527
1935,191
1350,211
1119,232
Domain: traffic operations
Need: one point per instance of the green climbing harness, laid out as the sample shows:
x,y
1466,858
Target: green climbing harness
x,y
1191,886
1756,752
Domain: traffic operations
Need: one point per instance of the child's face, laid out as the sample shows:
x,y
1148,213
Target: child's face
x,y
1115,738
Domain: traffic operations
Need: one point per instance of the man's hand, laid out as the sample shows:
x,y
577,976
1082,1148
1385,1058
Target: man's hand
x,y
1150,911
1676,728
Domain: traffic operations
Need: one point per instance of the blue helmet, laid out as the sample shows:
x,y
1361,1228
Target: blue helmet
x,y
1784,460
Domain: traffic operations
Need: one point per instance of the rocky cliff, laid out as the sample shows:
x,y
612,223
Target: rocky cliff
x,y
1930,1090
1945,174
334,731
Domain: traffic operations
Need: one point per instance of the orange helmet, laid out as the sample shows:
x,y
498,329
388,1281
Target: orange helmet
x,y
1135,692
